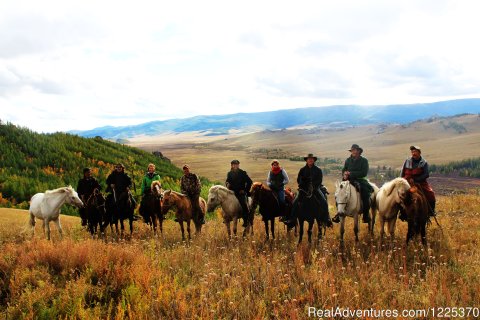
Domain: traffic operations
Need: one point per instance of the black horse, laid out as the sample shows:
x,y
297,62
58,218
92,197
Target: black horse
x,y
95,211
151,210
120,206
309,207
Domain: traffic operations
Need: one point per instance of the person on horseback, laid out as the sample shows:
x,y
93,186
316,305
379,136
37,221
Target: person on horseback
x,y
191,186
85,188
118,184
149,177
310,176
276,180
239,182
416,168
355,170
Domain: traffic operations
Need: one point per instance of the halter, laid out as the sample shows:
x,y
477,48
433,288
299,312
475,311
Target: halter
x,y
95,193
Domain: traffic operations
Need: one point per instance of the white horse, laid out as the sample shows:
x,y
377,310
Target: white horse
x,y
46,206
389,201
231,209
349,204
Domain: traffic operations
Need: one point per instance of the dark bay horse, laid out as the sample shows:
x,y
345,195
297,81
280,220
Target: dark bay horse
x,y
95,211
269,206
120,206
151,208
184,212
417,210
310,209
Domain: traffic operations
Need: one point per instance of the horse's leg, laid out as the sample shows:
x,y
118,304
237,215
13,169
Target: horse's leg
x,y
272,227
320,227
182,229
300,233
309,231
59,227
47,227
130,222
229,232
355,226
266,229
160,224
382,229
188,229
423,233
32,223
235,221
391,229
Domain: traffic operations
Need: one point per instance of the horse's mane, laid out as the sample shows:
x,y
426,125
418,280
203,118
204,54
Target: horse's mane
x,y
222,188
395,183
154,183
59,190
257,185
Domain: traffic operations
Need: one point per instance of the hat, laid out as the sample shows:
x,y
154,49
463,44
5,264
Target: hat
x,y
85,170
185,166
356,146
235,162
310,155
415,148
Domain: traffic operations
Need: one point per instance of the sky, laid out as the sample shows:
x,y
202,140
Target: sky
x,y
77,65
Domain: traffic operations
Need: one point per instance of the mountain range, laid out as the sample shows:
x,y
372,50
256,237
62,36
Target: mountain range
x,y
330,116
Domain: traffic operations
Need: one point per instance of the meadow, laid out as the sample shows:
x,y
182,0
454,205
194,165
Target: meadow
x,y
213,277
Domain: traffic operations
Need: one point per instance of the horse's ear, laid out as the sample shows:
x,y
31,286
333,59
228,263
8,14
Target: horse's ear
x,y
413,189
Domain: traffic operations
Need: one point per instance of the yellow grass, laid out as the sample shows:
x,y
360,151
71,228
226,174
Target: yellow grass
x,y
212,277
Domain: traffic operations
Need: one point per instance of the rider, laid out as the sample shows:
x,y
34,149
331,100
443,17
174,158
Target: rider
x,y
310,174
191,186
277,179
416,168
86,187
149,177
239,182
355,170
118,183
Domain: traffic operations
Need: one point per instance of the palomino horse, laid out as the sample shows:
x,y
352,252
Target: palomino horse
x,y
269,207
417,210
95,211
231,209
46,206
310,210
388,200
184,210
349,204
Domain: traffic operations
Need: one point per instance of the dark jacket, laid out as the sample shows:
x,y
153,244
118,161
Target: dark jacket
x,y
358,167
307,175
416,169
121,180
87,186
238,181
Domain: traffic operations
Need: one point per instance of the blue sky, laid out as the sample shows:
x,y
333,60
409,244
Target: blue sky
x,y
81,64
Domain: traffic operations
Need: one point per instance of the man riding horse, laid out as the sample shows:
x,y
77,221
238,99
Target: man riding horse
x,y
355,170
277,179
311,176
149,177
416,168
239,182
119,183
191,186
86,187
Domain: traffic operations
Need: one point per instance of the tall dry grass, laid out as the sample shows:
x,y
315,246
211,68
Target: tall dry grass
x,y
213,277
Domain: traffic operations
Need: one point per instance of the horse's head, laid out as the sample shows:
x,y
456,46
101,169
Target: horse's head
x,y
255,189
214,199
71,197
167,201
156,188
342,196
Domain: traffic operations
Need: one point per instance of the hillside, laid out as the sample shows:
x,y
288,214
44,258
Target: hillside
x,y
327,117
32,162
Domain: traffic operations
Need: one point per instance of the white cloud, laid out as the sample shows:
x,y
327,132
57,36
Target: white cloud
x,y
78,65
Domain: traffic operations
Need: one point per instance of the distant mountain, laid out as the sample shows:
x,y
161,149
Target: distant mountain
x,y
338,116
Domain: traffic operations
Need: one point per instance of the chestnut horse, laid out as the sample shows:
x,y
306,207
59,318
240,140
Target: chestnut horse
x,y
184,210
417,210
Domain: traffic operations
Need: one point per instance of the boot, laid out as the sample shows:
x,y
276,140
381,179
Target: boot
x,y
432,210
336,219
366,217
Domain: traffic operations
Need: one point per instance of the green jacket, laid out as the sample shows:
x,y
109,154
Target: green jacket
x,y
358,167
147,181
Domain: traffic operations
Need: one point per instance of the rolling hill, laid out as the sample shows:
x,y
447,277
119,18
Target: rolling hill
x,y
332,116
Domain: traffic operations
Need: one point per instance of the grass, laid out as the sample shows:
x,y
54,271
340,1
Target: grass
x,y
213,277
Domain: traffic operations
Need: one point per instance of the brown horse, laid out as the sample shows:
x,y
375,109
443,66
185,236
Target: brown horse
x,y
157,192
417,210
184,209
269,206
95,211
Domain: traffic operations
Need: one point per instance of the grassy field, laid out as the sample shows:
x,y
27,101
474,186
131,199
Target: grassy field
x,y
212,277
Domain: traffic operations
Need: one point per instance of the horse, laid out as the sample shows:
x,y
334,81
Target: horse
x,y
119,206
151,207
184,210
46,206
309,209
95,211
231,209
417,210
269,206
389,199
349,204
157,192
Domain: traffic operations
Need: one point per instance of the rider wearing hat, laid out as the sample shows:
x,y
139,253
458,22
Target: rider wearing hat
x,y
239,182
86,186
312,175
416,168
355,170
191,187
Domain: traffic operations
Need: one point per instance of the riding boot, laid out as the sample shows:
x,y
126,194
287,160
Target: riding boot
x,y
432,209
336,218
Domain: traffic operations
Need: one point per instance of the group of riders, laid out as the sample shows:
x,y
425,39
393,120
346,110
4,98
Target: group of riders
x,y
309,179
